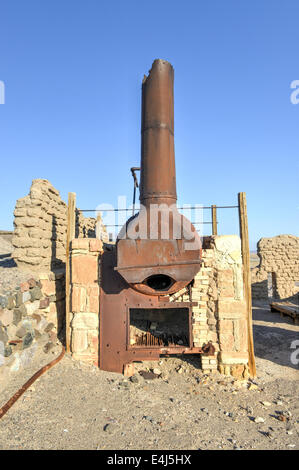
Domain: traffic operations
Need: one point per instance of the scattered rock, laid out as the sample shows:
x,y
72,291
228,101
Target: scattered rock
x,y
26,297
253,387
21,332
28,339
48,347
31,282
110,428
148,375
35,293
7,351
49,327
134,378
44,303
259,419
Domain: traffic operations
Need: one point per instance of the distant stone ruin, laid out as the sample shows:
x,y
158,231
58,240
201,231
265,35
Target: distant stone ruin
x,y
277,276
40,222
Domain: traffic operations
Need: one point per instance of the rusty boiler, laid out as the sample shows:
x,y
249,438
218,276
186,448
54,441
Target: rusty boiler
x,y
158,250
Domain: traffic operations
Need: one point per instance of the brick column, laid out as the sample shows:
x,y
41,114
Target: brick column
x,y
231,308
85,301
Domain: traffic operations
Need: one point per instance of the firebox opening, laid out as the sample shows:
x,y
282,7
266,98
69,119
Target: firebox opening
x,y
161,327
159,282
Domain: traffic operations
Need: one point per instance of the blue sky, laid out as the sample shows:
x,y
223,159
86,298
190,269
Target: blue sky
x,y
72,72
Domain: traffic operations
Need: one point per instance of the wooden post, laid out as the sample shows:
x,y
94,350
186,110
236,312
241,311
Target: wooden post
x,y
214,220
70,235
246,278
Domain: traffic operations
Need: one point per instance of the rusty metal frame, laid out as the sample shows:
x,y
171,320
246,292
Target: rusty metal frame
x,y
164,306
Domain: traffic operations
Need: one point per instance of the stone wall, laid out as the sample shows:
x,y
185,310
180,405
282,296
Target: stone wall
x,y
84,321
219,317
277,275
31,318
40,222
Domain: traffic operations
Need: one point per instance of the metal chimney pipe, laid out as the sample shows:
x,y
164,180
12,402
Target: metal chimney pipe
x,y
157,179
158,253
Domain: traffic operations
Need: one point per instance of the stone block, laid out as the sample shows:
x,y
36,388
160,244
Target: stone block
x,y
232,357
48,287
26,296
237,371
35,293
89,358
226,289
78,299
32,307
87,320
231,309
44,303
3,335
96,245
241,335
6,317
84,269
80,244
227,243
225,326
32,282
79,341
94,303
227,342
24,286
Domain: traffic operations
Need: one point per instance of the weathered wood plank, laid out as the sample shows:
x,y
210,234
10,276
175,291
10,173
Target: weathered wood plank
x,y
71,224
246,278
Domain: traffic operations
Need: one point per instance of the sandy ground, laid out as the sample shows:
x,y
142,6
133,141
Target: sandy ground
x,y
12,277
75,406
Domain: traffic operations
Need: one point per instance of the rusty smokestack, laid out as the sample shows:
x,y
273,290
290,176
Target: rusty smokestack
x,y
157,179
158,253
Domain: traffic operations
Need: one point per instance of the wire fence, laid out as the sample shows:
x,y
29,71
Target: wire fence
x,y
127,210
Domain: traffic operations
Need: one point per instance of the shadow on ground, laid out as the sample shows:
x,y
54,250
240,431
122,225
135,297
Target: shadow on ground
x,y
273,337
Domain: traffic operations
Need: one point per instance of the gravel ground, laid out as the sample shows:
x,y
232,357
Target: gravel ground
x,y
75,406
10,275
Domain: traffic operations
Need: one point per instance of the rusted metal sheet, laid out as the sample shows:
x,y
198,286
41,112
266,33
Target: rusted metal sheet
x,y
157,178
116,299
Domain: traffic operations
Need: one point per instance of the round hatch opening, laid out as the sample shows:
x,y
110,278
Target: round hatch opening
x,y
159,282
